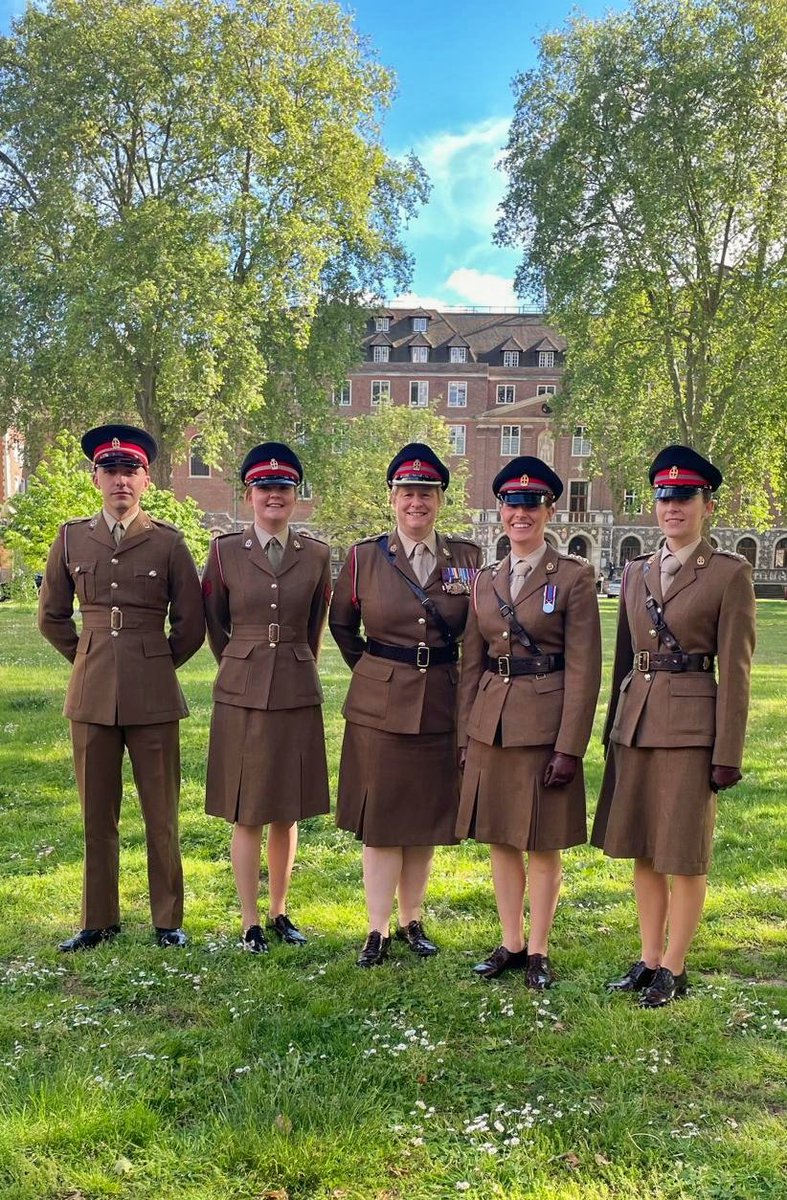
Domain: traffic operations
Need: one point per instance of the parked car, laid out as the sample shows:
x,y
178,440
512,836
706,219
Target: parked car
x,y
614,583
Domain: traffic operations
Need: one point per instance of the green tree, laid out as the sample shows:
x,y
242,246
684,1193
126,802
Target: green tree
x,y
647,184
61,488
353,495
184,184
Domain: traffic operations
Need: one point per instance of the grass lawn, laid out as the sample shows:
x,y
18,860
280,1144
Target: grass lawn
x,y
134,1072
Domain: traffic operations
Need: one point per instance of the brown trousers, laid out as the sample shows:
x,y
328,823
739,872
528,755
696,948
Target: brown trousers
x,y
154,751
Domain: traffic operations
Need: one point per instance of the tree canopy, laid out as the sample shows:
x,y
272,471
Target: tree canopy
x,y
354,498
184,185
647,185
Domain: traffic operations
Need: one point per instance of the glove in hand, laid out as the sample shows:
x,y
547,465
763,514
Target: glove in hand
x,y
560,770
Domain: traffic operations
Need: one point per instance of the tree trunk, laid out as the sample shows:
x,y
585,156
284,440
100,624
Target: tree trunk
x,y
161,468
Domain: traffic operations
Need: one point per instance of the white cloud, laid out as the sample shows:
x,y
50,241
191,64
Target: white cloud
x,y
415,300
483,288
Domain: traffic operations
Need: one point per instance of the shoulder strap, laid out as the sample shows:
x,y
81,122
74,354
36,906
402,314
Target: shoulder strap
x,y
514,624
657,617
444,629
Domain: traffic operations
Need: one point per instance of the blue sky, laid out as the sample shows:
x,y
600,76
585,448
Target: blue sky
x,y
454,61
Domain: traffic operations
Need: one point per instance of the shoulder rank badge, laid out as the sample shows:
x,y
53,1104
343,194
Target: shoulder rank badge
x,y
550,596
458,581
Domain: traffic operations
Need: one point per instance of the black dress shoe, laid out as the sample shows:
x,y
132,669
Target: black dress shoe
x,y
501,960
375,950
540,975
416,939
665,988
88,939
254,941
285,931
170,937
637,978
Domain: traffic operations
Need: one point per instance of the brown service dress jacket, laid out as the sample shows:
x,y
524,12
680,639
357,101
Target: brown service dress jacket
x,y
710,610
264,627
397,697
550,710
124,663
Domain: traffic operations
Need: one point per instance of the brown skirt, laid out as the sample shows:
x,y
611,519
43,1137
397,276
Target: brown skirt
x,y
266,765
504,801
398,789
657,804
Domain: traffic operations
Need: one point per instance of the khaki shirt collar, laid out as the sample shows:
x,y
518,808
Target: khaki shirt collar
x,y
263,536
408,545
683,555
532,559
126,523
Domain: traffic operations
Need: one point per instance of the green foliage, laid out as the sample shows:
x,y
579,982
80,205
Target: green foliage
x,y
61,488
648,189
183,185
353,495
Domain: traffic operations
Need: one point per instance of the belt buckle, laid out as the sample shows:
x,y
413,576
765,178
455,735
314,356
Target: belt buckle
x,y
273,633
642,660
504,666
422,656
115,619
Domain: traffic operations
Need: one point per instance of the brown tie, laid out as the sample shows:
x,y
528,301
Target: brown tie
x,y
118,532
669,569
521,572
275,553
420,567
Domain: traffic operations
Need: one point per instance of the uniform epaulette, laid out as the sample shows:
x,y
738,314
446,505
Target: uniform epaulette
x,y
375,537
730,554
230,533
577,558
493,566
311,536
161,521
454,537
77,520
639,557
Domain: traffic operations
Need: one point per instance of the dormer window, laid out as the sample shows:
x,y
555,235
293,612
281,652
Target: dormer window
x,y
382,324
458,354
419,354
381,354
546,358
510,358
420,324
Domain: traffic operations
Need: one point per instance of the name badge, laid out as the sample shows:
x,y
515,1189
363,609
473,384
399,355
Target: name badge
x,y
458,581
550,596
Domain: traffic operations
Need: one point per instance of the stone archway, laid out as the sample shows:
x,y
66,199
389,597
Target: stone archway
x,y
503,546
579,545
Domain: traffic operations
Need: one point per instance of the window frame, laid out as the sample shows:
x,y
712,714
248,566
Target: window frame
x,y
380,399
461,384
338,393
546,360
381,354
454,451
505,386
420,324
382,324
510,450
207,472
457,354
579,439
423,388
511,358
419,354
584,483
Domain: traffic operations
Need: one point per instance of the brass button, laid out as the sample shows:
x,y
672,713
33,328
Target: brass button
x,y
113,633
648,677
505,635
274,606
422,620
113,584
274,586
152,574
652,633
114,561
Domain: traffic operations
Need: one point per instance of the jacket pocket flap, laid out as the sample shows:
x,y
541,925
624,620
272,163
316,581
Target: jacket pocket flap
x,y
374,668
235,649
155,645
693,683
303,653
554,682
84,641
149,570
83,567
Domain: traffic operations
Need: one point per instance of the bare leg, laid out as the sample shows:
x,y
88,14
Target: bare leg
x,y
382,869
651,889
686,903
245,856
544,888
509,879
282,844
416,867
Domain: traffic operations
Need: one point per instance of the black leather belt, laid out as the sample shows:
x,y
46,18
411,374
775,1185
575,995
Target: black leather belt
x,y
645,661
418,656
538,664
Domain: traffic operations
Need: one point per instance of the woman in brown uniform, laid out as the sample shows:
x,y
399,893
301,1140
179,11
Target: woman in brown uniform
x,y
266,595
531,669
398,779
674,736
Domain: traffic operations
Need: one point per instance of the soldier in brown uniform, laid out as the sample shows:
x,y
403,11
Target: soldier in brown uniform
x,y
266,595
674,736
531,670
129,573
398,779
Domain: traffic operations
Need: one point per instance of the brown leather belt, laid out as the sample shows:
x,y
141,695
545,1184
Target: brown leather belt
x,y
272,633
645,661
538,664
115,619
422,656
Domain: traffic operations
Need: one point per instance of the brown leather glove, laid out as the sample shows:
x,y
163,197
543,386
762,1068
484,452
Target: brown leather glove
x,y
560,770
723,777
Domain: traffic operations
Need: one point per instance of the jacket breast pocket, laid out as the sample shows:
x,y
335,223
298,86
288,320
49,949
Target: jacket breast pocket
x,y
370,688
84,577
692,703
235,667
150,585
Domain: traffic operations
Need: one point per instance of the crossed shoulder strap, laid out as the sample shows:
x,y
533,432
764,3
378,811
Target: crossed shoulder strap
x,y
443,628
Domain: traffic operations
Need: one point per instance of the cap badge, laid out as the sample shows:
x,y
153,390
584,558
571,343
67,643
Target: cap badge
x,y
673,472
416,464
274,463
524,480
116,443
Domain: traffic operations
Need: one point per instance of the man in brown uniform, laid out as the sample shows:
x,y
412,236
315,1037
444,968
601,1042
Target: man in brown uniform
x,y
129,572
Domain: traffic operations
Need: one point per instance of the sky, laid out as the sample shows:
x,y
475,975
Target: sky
x,y
454,61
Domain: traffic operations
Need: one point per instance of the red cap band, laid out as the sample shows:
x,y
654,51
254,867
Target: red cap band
x,y
118,447
271,470
679,477
532,485
405,471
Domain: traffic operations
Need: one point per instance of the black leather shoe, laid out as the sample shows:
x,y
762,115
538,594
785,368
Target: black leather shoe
x,y
637,978
88,939
170,937
416,939
285,931
665,988
254,941
501,960
540,975
375,950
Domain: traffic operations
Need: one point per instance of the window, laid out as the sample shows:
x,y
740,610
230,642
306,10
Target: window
x,y
419,354
578,496
546,358
198,468
343,395
580,444
381,391
381,353
382,324
510,358
457,395
780,553
748,548
305,490
506,393
457,354
458,436
545,389
509,440
419,393
420,324
630,547
632,504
